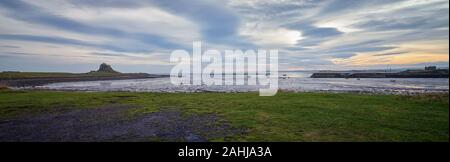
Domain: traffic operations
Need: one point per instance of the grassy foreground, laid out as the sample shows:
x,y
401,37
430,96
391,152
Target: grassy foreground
x,y
284,117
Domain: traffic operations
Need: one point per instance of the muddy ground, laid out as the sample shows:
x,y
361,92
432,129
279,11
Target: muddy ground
x,y
113,123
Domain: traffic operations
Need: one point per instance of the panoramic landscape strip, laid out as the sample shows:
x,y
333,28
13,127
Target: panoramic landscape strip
x,y
179,71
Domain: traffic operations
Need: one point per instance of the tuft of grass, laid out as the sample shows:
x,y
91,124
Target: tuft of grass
x,y
287,116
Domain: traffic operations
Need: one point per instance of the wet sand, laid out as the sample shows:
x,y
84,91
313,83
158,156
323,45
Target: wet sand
x,y
408,86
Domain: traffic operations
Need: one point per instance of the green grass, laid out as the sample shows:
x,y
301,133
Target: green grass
x,y
284,117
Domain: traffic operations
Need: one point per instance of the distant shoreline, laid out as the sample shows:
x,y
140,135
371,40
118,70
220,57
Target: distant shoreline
x,y
30,79
434,73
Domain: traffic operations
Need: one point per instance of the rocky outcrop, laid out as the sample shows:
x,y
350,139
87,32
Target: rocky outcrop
x,y
106,68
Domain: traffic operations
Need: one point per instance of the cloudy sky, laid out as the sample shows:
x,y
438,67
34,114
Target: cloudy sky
x,y
138,36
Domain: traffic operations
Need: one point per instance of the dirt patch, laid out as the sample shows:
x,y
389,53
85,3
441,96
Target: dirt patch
x,y
111,123
3,87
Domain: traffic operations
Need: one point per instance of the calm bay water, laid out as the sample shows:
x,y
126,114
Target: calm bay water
x,y
293,81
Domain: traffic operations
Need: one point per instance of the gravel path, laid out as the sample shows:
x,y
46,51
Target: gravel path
x,y
110,123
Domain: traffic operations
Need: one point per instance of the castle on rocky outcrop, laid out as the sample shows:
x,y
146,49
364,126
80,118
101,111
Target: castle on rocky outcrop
x,y
106,68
